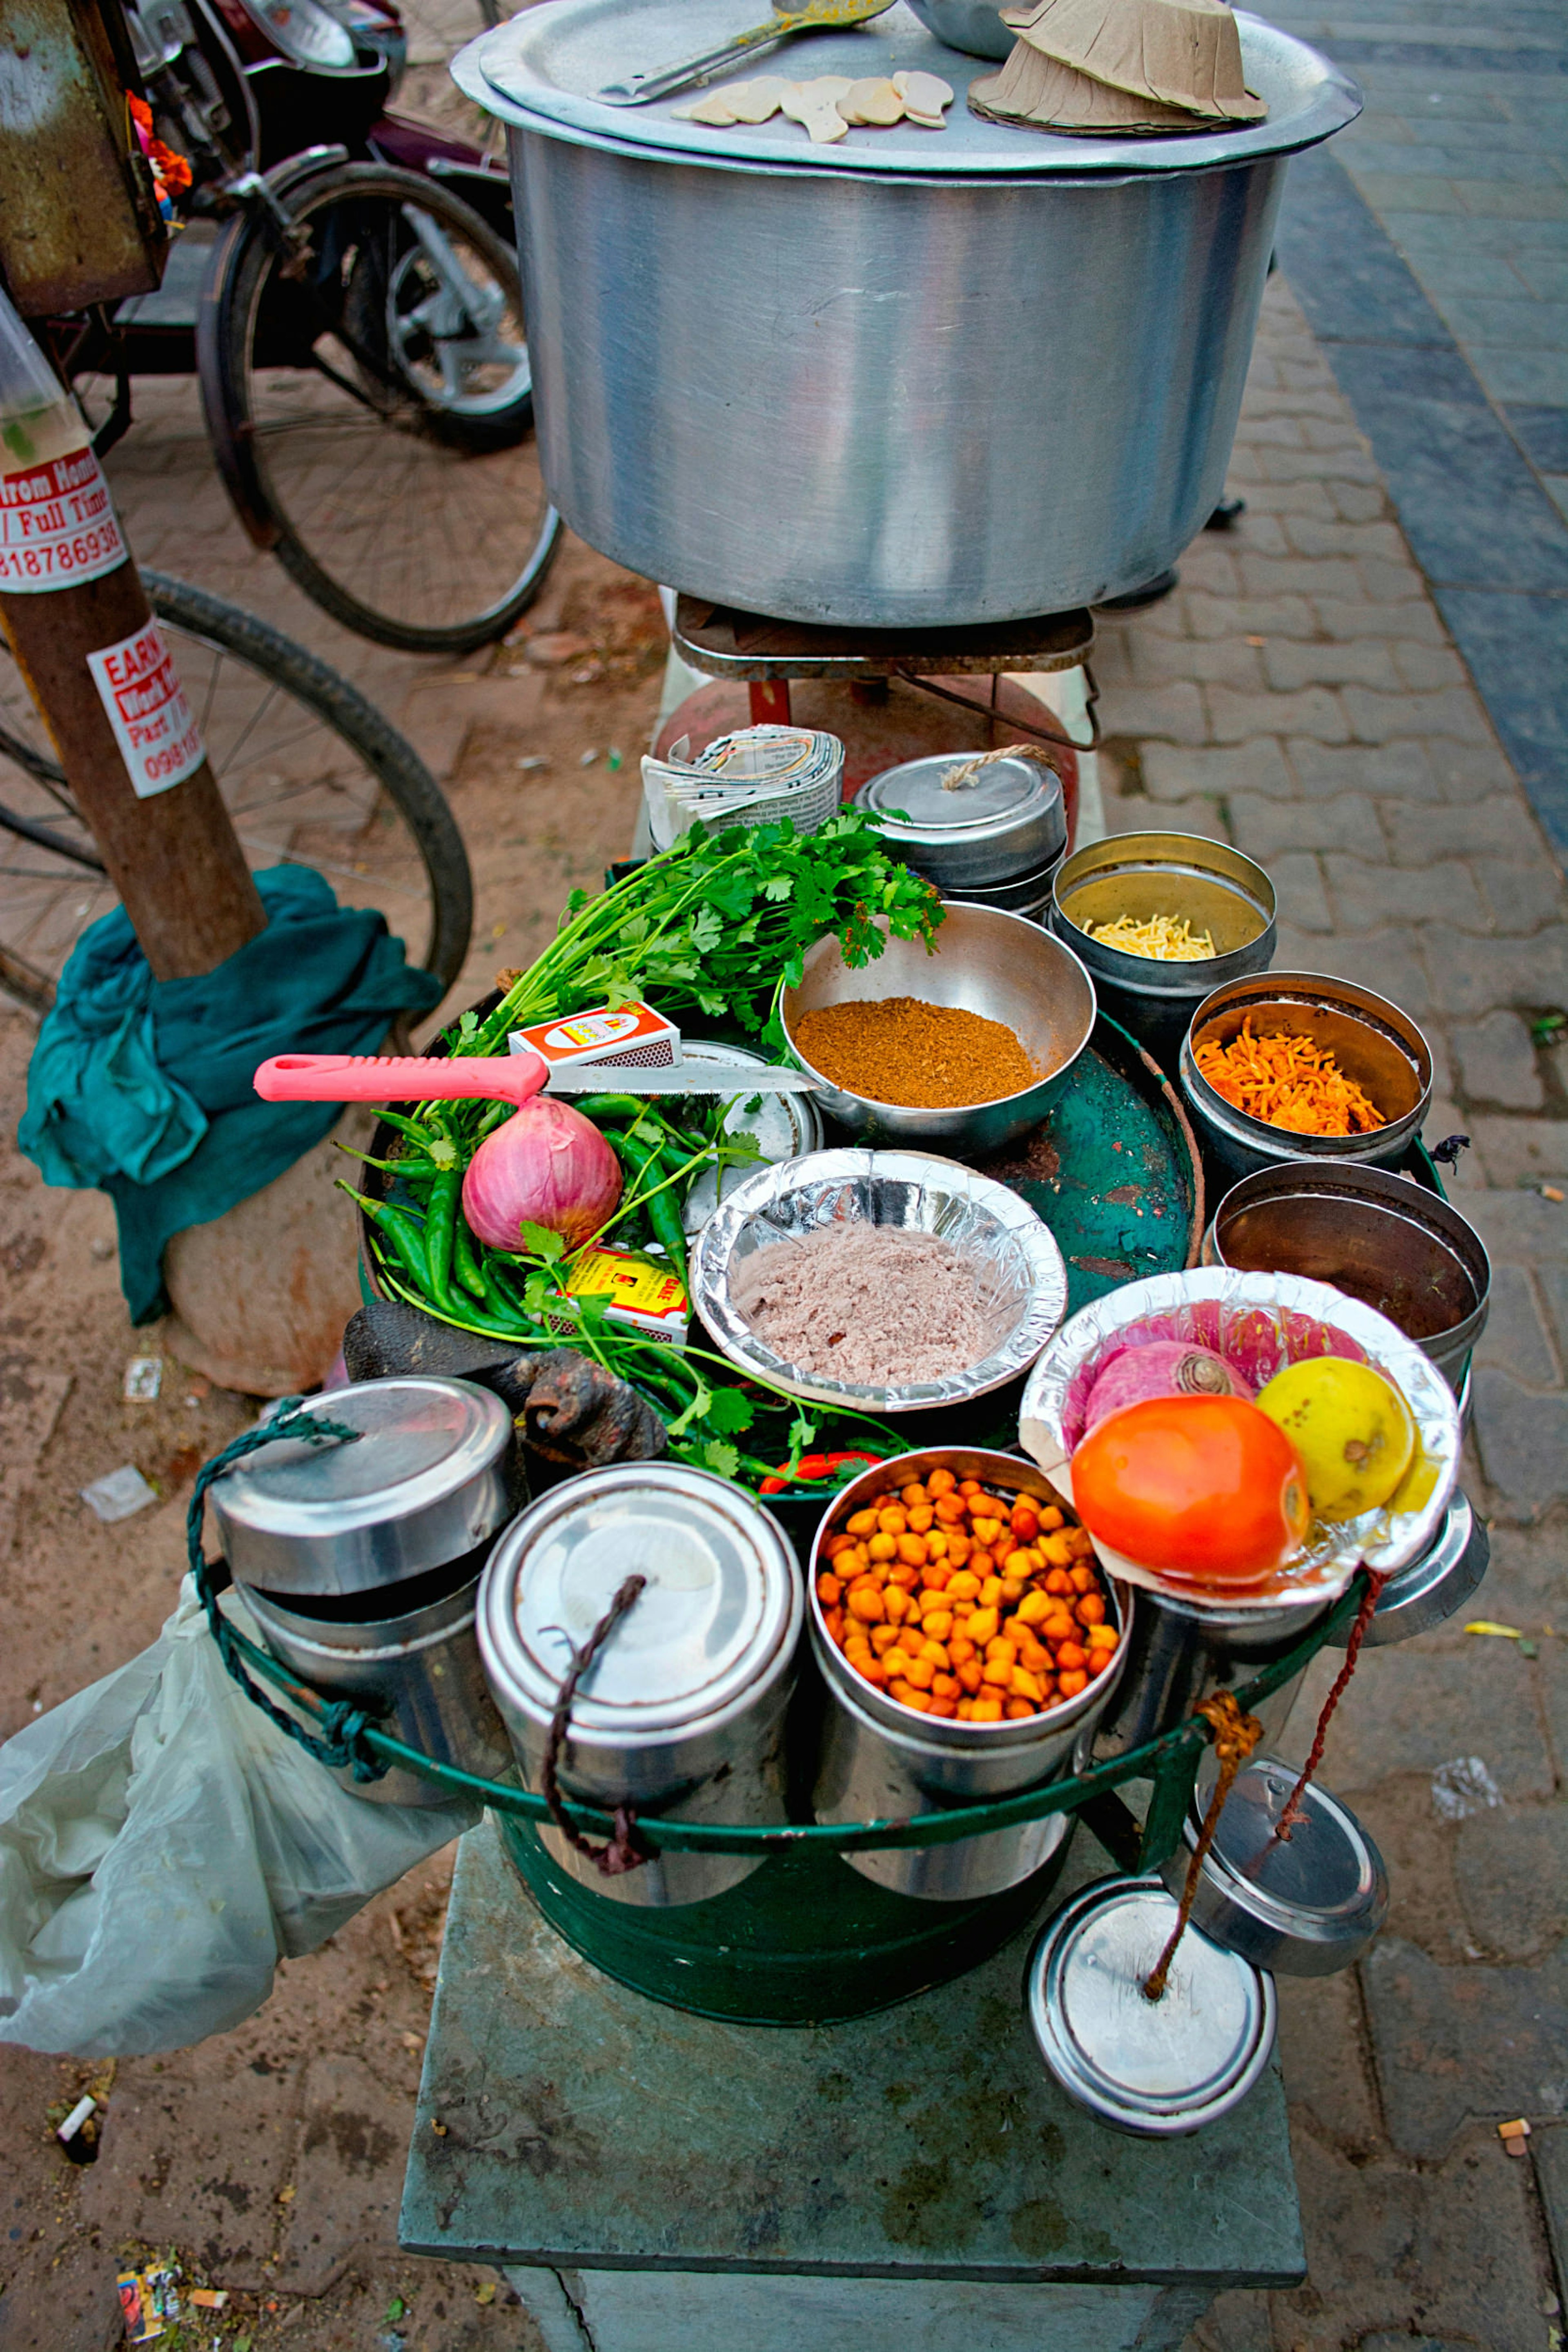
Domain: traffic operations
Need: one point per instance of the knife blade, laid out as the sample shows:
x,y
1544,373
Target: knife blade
x,y
684,1078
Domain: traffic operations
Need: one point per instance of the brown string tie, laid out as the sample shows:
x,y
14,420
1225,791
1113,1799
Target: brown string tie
x,y
1235,1737
623,1853
1376,1580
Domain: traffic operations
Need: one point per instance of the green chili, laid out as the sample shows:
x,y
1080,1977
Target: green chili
x,y
439,1223
466,1260
410,1170
402,1229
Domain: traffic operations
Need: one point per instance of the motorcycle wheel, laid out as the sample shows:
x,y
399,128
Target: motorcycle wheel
x,y
370,403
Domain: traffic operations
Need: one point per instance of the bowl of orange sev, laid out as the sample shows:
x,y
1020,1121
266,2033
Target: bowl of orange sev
x,y
1302,1066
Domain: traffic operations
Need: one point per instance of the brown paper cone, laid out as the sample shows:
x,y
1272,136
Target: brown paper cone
x,y
1034,89
1185,53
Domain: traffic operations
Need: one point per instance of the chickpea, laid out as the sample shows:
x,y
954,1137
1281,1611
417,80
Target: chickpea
x,y
892,1522
1025,1522
921,1672
971,1674
951,1510
913,1496
912,1551
1017,1710
922,1520
982,1626
1084,1579
830,1592
1070,1683
970,1487
990,1591
987,1710
867,1603
883,1637
963,1586
864,1523
1070,1658
883,1547
940,1482
1090,1610
960,1648
1100,1637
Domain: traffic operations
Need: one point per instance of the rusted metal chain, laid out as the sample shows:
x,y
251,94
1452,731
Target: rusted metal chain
x,y
1235,1737
622,1851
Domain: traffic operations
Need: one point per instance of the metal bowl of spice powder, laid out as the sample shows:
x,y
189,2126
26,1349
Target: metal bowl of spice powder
x,y
927,1283
965,1045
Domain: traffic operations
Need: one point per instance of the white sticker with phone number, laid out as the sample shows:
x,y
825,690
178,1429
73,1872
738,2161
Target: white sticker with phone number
x,y
153,724
58,526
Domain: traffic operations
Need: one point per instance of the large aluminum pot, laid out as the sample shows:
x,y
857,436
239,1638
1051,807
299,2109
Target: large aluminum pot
x,y
906,381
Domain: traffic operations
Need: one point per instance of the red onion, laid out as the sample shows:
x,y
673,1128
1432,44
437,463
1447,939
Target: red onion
x,y
546,1165
1161,1367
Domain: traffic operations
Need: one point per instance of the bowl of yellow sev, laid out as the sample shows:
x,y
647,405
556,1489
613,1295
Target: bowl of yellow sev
x,y
1162,919
1287,1066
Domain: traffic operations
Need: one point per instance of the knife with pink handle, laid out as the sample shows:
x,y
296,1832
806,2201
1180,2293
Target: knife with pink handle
x,y
400,1078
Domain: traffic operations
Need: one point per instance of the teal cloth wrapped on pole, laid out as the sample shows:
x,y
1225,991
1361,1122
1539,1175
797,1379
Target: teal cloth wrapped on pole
x,y
141,1088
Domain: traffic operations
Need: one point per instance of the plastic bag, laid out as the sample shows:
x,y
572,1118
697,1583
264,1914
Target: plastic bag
x,y
163,1845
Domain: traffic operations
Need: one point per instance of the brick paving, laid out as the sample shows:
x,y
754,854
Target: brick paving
x,y
1299,695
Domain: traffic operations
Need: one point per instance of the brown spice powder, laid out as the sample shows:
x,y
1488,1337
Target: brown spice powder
x,y
899,1049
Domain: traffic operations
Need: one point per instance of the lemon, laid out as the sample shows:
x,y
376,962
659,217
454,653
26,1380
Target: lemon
x,y
1350,1427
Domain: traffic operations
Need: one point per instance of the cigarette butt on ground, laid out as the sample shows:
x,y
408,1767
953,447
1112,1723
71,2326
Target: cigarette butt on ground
x,y
1514,2135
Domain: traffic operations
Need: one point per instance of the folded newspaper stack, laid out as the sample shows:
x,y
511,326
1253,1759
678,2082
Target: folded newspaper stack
x,y
755,775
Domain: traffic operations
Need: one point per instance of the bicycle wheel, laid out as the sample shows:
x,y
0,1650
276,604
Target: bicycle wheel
x,y
312,774
370,405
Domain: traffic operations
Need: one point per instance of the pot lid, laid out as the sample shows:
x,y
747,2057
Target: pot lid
x,y
1324,1888
422,1443
720,1593
999,798
1151,2067
540,72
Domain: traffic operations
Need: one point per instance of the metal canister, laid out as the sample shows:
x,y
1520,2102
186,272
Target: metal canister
x,y
1181,1652
971,822
1177,874
1420,1597
882,1762
431,1477
1375,1045
1380,1236
1029,895
1155,2068
682,1710
1305,1905
419,1670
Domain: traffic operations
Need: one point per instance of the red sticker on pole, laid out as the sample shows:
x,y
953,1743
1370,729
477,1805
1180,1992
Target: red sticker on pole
x,y
58,526
155,726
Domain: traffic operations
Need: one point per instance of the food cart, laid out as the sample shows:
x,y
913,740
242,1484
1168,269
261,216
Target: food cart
x,y
780,1994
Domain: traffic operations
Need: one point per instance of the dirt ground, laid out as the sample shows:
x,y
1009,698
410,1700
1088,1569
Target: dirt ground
x,y
270,2159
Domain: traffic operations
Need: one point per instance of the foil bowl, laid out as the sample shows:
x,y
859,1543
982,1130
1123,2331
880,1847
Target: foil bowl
x,y
1263,1322
1022,1287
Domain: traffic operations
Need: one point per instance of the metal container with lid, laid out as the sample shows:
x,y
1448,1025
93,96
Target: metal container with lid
x,y
1028,896
1145,874
1375,1045
682,1711
420,1671
1378,1236
739,389
1420,1597
1303,1905
1158,2069
883,1761
967,821
782,1126
1184,1650
430,1478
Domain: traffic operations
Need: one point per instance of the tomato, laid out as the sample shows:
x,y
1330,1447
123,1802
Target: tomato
x,y
1203,1488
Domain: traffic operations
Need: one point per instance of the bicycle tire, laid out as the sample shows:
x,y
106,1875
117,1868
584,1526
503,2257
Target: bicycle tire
x,y
388,758
233,352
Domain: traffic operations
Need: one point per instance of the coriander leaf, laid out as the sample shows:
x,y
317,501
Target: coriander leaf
x,y
722,1459
706,929
801,1432
715,1006
540,1242
444,1151
468,1023
696,1411
730,1410
777,889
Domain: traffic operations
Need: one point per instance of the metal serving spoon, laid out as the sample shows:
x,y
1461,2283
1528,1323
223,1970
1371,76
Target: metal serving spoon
x,y
816,16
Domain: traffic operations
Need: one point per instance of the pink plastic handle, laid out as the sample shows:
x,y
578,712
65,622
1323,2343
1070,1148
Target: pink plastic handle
x,y
391,1077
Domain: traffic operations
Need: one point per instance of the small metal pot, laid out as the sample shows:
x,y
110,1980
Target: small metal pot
x,y
1379,1236
1157,2069
883,1761
423,1668
433,1476
1306,1906
1007,823
1145,874
681,1712
975,27
1375,1044
999,965
1181,1652
1420,1597
1029,896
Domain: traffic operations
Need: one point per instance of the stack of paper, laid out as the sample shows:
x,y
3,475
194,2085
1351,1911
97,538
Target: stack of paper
x,y
755,775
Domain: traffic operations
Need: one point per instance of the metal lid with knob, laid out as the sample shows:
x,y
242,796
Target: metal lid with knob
x,y
1155,2068
965,822
428,1480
